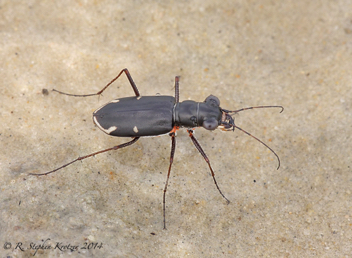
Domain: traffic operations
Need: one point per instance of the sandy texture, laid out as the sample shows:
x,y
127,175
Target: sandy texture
x,y
292,53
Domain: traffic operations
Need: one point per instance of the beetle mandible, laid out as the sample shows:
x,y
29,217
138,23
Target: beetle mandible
x,y
156,115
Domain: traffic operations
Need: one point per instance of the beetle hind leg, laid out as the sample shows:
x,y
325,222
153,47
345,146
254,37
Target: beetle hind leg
x,y
89,155
129,77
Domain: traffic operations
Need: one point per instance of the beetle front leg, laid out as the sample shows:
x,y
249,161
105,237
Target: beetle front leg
x,y
199,148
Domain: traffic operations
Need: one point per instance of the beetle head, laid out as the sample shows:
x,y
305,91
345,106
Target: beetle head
x,y
212,115
227,122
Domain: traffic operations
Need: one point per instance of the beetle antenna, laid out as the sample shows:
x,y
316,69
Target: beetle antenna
x,y
260,142
242,109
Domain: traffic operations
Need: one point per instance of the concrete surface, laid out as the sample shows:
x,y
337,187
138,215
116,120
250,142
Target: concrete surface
x,y
292,53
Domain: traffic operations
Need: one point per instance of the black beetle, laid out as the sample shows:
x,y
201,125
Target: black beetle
x,y
156,115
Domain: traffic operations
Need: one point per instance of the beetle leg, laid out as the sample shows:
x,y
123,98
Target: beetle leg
x,y
177,91
134,87
90,155
173,147
199,148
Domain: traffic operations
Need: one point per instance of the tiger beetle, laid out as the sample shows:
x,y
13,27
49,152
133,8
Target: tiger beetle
x,y
140,116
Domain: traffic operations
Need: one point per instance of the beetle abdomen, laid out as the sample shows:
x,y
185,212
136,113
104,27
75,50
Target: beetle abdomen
x,y
136,116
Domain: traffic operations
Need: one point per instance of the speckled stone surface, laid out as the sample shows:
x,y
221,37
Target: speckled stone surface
x,y
293,53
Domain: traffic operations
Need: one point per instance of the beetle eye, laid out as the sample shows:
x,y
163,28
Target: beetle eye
x,y
214,101
210,124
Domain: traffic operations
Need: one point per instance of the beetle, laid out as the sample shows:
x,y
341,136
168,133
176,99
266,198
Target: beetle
x,y
140,116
